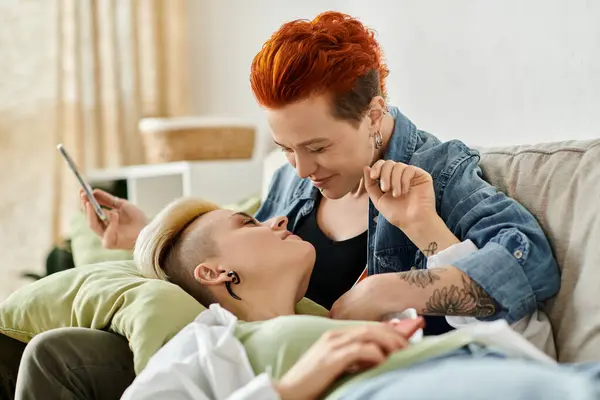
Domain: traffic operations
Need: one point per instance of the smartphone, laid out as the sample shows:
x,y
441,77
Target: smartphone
x,y
84,185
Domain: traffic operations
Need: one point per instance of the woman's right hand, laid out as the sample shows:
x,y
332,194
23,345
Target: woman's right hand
x,y
125,220
342,351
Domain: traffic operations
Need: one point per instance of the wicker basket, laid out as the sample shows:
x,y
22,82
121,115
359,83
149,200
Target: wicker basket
x,y
195,138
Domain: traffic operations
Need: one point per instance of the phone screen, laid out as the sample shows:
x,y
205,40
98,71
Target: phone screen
x,y
85,186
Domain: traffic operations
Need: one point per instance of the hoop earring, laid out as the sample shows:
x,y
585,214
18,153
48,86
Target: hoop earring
x,y
378,140
235,280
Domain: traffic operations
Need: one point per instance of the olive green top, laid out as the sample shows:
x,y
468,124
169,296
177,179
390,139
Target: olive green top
x,y
275,345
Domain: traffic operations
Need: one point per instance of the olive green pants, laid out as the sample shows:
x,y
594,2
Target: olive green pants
x,y
66,363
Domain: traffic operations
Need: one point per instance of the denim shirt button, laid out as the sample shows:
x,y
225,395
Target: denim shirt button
x,y
518,254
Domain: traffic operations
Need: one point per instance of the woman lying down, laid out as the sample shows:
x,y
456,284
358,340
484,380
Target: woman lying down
x,y
250,345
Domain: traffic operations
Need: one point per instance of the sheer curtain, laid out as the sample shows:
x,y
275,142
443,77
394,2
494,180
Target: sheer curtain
x,y
118,61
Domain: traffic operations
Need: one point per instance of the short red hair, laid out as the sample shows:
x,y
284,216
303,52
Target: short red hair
x,y
332,54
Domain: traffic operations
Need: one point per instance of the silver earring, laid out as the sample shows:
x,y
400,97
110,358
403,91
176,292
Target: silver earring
x,y
378,140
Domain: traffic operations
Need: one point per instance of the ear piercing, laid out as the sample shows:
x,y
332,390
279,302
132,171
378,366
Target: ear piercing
x,y
378,140
235,280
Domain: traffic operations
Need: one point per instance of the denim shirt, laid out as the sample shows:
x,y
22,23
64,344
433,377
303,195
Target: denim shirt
x,y
514,263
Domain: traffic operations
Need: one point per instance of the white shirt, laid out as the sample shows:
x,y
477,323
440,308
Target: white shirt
x,y
204,361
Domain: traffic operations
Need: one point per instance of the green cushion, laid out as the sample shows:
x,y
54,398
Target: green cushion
x,y
249,205
111,296
86,246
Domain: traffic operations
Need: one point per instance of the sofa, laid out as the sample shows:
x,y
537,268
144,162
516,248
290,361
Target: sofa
x,y
560,184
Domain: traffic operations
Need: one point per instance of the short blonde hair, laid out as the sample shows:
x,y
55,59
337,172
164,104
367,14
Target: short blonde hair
x,y
156,240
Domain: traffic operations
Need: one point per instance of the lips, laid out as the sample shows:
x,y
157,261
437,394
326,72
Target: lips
x,y
288,234
285,235
320,182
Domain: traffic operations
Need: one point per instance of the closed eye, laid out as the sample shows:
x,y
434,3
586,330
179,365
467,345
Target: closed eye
x,y
250,221
319,150
244,219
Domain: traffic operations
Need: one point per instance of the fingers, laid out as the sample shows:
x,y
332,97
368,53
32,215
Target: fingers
x,y
376,169
397,182
109,240
359,356
383,170
396,177
385,176
93,221
371,185
408,173
421,176
82,200
408,327
106,199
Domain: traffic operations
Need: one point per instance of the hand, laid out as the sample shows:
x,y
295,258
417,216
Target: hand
x,y
125,220
368,300
342,351
404,195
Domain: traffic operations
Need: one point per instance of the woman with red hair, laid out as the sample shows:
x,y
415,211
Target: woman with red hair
x,y
389,196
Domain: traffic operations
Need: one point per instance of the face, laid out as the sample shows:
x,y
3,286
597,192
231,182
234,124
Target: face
x,y
330,152
261,253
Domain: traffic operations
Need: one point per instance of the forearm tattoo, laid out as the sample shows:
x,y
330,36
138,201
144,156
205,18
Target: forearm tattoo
x,y
419,277
431,249
470,300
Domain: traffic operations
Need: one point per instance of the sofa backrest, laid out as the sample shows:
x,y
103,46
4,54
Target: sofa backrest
x,y
560,184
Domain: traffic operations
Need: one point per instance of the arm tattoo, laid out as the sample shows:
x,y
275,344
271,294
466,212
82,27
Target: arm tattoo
x,y
470,300
431,249
420,277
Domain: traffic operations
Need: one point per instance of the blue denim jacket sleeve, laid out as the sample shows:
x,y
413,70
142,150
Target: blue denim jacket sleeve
x,y
515,264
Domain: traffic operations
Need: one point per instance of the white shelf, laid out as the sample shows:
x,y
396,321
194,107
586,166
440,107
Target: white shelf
x,y
151,170
151,187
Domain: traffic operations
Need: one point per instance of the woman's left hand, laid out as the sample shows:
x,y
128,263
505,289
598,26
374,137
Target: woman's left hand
x,y
404,193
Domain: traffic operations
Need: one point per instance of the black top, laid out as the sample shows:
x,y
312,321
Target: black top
x,y
338,264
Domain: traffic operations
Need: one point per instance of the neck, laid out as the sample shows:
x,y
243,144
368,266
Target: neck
x,y
262,307
263,313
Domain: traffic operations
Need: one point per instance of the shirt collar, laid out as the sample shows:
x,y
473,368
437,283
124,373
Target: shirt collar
x,y
403,142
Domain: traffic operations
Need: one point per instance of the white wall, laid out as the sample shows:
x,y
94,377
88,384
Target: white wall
x,y
486,72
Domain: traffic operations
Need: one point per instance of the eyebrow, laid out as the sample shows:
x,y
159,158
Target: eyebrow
x,y
242,214
305,143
